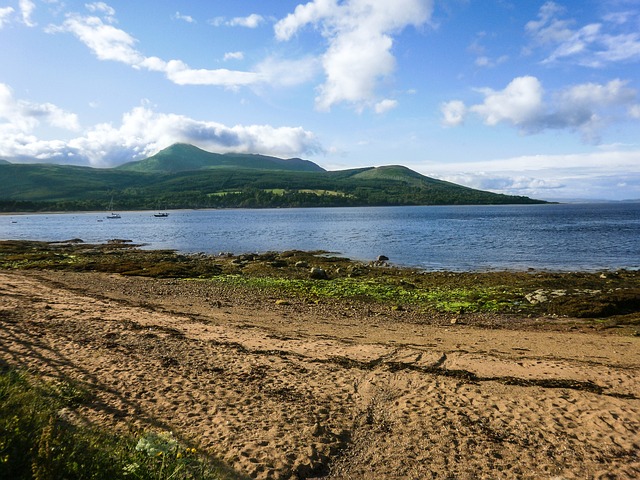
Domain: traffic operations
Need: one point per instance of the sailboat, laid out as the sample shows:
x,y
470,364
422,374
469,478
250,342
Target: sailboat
x,y
112,214
161,214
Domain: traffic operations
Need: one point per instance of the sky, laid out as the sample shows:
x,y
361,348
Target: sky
x,y
523,97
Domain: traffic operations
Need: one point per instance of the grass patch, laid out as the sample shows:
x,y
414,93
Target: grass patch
x,y
40,439
449,300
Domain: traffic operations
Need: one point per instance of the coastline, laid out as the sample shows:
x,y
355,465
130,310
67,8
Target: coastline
x,y
563,238
286,385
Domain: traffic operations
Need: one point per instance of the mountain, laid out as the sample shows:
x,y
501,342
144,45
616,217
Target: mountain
x,y
181,157
183,176
3,162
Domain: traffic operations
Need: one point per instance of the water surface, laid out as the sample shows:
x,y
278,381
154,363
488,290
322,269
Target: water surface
x,y
458,238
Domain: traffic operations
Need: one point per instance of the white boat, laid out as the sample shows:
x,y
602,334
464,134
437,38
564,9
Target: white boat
x,y
161,214
112,214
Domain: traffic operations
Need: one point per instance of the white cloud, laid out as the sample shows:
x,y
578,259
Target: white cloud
x,y
181,74
520,103
507,183
23,117
27,7
5,14
385,105
586,108
142,132
359,33
571,176
104,40
233,56
252,21
634,111
453,113
185,18
615,39
110,43
101,7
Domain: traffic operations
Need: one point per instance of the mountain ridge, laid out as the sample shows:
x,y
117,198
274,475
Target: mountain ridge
x,y
181,157
184,176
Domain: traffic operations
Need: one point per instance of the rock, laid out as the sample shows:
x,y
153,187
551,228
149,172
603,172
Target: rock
x,y
318,274
73,241
536,297
381,261
302,264
278,263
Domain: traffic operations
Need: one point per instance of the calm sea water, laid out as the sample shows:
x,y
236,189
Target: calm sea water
x,y
458,238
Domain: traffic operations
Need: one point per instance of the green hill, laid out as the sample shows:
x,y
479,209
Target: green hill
x,y
183,176
181,157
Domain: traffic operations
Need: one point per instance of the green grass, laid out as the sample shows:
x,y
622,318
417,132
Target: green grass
x,y
449,300
38,440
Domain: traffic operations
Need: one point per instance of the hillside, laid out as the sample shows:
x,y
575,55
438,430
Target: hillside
x,y
183,176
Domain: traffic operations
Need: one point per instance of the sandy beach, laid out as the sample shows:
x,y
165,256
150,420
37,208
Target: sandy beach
x,y
284,388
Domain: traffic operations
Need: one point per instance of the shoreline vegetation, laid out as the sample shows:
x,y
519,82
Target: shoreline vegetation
x,y
309,365
604,298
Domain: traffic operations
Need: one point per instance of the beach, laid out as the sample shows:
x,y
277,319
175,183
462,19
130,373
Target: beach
x,y
281,388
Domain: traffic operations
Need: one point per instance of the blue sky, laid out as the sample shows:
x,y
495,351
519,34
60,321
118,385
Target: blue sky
x,y
522,97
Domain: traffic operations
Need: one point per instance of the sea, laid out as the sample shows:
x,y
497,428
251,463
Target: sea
x,y
551,237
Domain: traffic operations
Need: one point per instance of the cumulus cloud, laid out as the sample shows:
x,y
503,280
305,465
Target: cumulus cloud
x,y
252,21
586,108
20,116
142,132
108,42
5,15
359,35
27,7
453,113
614,39
520,103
